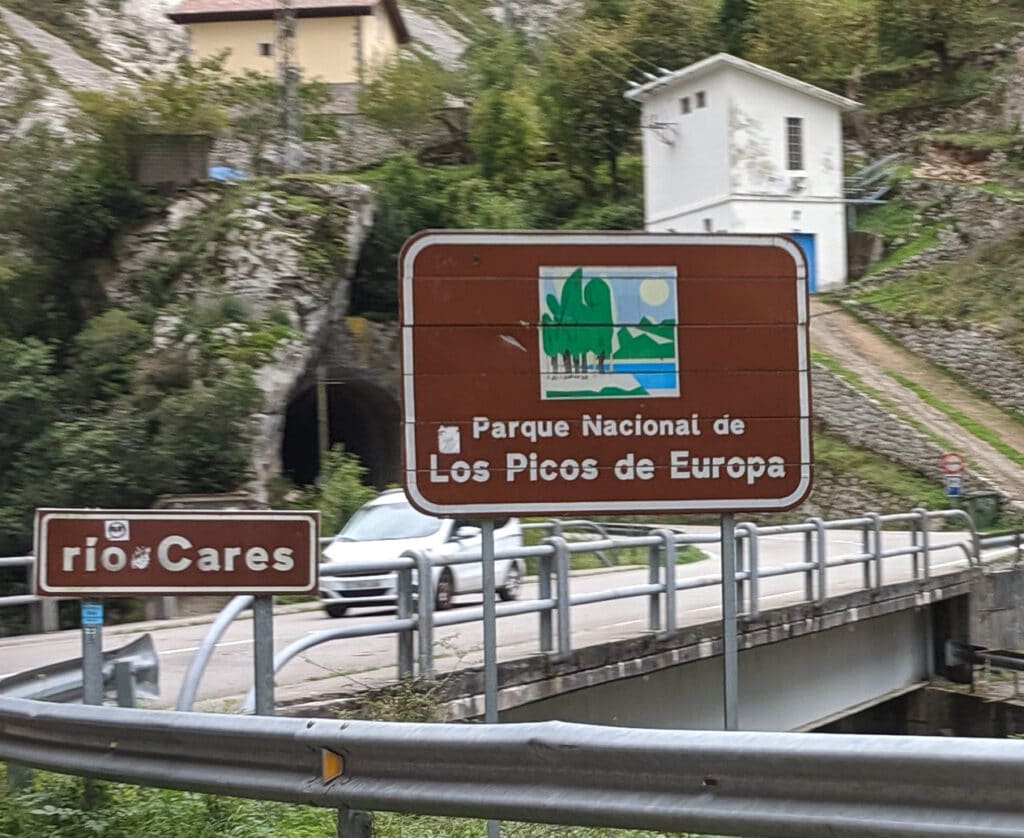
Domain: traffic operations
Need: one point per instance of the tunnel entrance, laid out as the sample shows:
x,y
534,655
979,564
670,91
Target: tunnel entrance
x,y
360,415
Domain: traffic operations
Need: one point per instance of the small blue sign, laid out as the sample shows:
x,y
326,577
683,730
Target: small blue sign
x,y
92,613
954,485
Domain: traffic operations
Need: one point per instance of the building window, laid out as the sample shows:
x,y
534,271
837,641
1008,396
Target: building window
x,y
709,225
794,144
266,49
684,105
702,99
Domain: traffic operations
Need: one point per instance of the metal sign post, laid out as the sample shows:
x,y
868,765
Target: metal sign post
x,y
490,637
730,652
263,654
92,652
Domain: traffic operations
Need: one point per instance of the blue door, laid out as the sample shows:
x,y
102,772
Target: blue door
x,y
806,242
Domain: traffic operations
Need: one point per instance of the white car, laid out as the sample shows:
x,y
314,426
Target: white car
x,y
386,527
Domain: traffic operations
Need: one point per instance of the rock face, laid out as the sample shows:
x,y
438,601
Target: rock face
x,y
247,276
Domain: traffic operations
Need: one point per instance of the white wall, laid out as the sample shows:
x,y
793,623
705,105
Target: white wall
x,y
727,171
687,172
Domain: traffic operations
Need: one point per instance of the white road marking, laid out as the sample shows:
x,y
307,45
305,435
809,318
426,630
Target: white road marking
x,y
196,648
625,623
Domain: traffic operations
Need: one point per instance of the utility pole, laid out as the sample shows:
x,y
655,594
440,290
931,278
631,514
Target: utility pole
x,y
288,74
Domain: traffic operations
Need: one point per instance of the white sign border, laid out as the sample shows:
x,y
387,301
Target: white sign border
x,y
433,238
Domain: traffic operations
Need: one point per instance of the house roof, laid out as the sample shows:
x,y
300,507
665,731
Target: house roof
x,y
210,11
722,60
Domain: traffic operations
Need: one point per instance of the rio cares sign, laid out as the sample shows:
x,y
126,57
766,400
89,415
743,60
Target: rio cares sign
x,y
119,552
551,373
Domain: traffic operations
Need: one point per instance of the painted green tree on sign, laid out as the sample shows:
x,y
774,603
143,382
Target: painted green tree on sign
x,y
579,324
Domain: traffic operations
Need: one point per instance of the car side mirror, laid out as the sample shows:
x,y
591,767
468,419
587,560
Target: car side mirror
x,y
466,532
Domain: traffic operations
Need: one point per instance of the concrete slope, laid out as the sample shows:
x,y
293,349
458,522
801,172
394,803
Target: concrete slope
x,y
861,350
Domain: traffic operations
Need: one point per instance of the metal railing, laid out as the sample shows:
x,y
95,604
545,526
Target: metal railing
x,y
782,784
416,622
43,610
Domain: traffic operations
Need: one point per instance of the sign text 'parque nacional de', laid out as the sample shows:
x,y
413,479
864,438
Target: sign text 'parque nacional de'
x,y
550,373
118,552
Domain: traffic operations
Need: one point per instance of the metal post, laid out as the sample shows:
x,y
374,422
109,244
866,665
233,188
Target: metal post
x,y
263,654
490,639
669,546
916,554
547,643
730,650
92,652
405,641
809,564
354,824
740,567
124,683
822,558
926,559
753,562
425,613
865,549
654,600
876,526
562,581
323,435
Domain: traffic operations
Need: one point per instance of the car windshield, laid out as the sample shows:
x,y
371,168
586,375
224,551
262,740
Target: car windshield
x,y
388,521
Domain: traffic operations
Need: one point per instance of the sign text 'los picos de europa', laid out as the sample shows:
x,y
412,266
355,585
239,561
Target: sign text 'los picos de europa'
x,y
116,552
550,373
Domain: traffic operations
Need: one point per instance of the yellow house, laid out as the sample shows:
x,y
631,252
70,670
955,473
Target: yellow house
x,y
335,41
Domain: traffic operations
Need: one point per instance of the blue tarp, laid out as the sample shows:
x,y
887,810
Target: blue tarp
x,y
226,173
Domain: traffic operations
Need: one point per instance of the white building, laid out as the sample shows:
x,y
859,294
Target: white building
x,y
730,146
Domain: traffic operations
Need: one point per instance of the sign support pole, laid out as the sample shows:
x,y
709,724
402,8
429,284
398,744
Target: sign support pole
x,y
263,654
730,651
92,652
490,638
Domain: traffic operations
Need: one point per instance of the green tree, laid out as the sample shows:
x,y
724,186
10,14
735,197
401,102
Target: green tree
x,y
910,27
104,355
734,25
835,36
405,97
586,118
505,134
339,492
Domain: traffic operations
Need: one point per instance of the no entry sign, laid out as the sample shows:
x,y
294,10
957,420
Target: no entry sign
x,y
117,552
549,373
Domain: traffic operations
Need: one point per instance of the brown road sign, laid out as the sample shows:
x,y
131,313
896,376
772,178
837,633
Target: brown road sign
x,y
621,372
119,552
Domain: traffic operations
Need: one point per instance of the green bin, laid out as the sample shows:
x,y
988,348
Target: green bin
x,y
984,508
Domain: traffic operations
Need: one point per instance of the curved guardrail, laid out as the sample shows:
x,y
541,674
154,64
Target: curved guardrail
x,y
782,784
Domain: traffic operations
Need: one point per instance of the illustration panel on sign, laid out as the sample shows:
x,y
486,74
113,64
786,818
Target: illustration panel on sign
x,y
608,333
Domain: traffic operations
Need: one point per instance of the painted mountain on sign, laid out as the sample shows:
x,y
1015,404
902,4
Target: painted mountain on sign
x,y
647,340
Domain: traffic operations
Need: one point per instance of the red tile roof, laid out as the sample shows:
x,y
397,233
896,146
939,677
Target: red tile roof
x,y
206,11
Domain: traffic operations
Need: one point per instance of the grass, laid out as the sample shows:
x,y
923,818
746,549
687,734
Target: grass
x,y
892,220
927,238
972,426
58,806
977,140
855,381
834,455
1003,190
985,288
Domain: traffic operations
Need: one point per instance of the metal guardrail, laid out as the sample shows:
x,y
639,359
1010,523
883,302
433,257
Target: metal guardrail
x,y
781,784
416,620
130,672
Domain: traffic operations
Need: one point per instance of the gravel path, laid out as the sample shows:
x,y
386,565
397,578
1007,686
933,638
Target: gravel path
x,y
861,350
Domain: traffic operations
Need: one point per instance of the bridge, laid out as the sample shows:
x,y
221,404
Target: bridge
x,y
856,609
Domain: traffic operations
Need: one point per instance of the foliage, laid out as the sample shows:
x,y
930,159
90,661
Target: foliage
x,y
505,134
404,97
202,433
909,27
104,354
340,490
734,25
836,36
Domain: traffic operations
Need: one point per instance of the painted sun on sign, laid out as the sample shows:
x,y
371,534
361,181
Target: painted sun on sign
x,y
608,333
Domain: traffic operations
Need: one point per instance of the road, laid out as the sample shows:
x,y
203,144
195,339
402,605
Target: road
x,y
340,665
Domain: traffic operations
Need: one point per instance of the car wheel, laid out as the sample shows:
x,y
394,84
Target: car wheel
x,y
513,582
445,591
335,610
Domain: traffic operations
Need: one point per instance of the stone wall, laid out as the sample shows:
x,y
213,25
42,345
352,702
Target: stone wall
x,y
862,422
979,353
